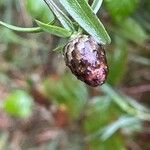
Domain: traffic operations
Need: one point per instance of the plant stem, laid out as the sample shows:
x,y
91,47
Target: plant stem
x,y
20,29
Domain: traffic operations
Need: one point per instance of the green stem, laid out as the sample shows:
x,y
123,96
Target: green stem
x,y
20,29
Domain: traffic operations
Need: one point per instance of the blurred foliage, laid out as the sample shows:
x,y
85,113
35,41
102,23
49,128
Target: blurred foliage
x,y
136,34
19,104
121,10
66,90
118,61
39,10
102,118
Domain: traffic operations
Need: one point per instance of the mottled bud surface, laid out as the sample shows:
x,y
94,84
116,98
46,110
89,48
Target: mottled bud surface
x,y
86,59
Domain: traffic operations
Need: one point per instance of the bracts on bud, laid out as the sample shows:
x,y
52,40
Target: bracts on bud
x,y
87,60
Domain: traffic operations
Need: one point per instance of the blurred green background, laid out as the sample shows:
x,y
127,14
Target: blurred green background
x,y
43,106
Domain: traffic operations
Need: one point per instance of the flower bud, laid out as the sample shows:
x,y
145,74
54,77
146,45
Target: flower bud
x,y
87,60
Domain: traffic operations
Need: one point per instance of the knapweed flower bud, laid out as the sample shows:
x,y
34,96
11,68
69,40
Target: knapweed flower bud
x,y
87,60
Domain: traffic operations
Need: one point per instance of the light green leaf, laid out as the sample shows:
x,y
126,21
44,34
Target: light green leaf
x,y
84,16
133,31
106,88
118,61
55,30
96,5
98,111
62,17
20,29
120,10
66,90
139,59
124,121
121,101
39,10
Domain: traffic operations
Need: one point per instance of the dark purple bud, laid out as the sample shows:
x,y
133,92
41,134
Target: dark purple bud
x,y
87,60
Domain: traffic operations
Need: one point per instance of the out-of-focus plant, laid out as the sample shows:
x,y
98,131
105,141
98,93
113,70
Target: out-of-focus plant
x,y
19,104
73,94
126,31
103,118
121,10
39,10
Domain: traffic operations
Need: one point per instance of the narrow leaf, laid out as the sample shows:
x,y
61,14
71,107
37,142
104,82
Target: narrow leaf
x,y
118,61
20,29
123,121
123,103
119,10
96,5
62,17
55,30
136,34
83,14
118,99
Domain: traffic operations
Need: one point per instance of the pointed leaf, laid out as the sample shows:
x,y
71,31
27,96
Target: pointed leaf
x,y
83,15
96,5
55,30
118,61
62,17
123,121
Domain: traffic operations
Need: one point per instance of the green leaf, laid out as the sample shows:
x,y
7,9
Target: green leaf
x,y
99,113
139,59
66,90
120,10
144,22
20,29
61,16
84,16
96,5
116,142
122,101
55,30
135,104
118,99
39,10
19,104
133,31
122,122
118,62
